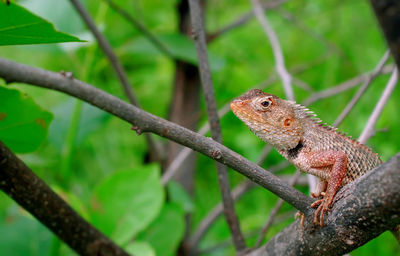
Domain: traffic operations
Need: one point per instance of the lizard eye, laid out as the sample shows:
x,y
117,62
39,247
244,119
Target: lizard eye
x,y
265,103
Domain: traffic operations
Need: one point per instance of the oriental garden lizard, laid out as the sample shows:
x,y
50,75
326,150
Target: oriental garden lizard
x,y
313,147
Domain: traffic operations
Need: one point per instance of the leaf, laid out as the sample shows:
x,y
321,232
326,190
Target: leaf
x,y
127,202
166,231
140,248
23,124
19,26
179,46
178,194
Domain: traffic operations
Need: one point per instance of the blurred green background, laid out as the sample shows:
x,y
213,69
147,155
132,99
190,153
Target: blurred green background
x,y
98,164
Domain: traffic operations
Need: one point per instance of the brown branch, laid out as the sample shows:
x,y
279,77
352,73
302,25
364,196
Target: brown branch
x,y
359,215
143,121
208,90
32,193
154,148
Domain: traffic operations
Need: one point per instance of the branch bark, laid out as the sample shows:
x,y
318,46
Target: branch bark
x,y
32,193
362,211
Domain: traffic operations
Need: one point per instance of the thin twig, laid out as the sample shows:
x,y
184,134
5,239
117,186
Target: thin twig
x,y
154,147
300,24
243,19
362,89
142,28
344,86
276,48
108,51
274,212
208,90
369,128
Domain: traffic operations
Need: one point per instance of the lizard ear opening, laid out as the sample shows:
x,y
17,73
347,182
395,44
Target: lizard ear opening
x,y
288,122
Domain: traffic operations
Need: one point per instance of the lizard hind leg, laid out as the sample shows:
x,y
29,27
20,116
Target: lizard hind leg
x,y
337,160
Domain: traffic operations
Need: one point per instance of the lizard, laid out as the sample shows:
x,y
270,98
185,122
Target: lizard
x,y
306,142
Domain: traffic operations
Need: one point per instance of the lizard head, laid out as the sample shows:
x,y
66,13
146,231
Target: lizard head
x,y
270,118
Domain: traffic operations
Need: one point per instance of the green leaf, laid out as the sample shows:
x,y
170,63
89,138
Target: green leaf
x,y
19,26
167,230
127,202
140,248
181,48
23,124
178,194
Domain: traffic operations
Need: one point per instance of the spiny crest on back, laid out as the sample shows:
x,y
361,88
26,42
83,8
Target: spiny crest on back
x,y
303,112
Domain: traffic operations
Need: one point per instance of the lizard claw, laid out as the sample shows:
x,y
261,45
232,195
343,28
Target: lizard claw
x,y
301,216
322,206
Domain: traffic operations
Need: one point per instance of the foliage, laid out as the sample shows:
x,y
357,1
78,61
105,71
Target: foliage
x,y
97,158
19,26
19,114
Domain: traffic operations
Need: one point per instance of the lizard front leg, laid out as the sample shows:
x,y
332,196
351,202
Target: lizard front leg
x,y
337,161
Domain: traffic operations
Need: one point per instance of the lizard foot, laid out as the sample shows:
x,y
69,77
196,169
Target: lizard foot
x,y
322,206
301,216
318,195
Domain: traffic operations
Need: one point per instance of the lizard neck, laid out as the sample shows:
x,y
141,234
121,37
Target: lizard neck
x,y
292,153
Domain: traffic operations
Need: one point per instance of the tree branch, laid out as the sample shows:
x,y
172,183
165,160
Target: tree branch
x,y
143,121
32,193
208,90
362,211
